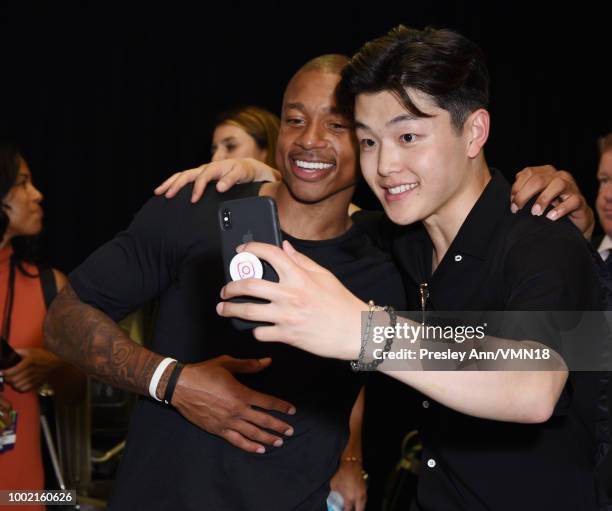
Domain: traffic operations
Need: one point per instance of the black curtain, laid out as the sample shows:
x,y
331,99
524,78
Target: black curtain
x,y
108,100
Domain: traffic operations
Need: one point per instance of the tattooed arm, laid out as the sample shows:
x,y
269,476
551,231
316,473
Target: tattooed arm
x,y
88,338
207,394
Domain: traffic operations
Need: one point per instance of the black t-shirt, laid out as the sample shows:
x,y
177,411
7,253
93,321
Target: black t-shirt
x,y
172,251
500,261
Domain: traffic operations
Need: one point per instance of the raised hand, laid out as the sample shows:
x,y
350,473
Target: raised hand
x,y
226,172
556,187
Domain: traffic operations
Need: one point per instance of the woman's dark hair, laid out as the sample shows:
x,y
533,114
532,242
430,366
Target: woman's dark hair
x,y
260,124
24,247
441,63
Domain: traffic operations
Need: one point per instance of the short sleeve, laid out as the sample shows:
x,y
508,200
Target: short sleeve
x,y
140,262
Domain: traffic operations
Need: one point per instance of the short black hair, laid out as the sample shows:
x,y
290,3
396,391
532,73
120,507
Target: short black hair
x,y
439,62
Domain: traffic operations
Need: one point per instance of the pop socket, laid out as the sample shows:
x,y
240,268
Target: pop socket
x,y
245,266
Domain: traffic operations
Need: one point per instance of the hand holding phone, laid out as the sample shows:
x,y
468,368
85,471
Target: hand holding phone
x,y
241,221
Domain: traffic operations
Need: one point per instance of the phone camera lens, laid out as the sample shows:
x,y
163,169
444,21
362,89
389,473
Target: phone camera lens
x,y
226,217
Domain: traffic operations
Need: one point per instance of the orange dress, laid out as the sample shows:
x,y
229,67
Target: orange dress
x,y
21,467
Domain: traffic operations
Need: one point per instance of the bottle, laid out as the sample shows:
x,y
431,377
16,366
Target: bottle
x,y
335,501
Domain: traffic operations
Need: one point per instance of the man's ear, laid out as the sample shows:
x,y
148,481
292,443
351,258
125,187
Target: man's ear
x,y
476,130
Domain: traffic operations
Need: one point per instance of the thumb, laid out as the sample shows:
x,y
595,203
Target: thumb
x,y
300,259
249,366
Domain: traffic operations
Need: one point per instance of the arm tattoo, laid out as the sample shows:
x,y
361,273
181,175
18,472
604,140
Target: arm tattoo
x,y
89,339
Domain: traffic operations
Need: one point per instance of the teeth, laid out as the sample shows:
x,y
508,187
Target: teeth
x,y
402,188
313,165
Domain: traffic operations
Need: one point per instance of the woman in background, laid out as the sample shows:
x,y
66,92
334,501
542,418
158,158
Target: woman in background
x,y
248,132
22,310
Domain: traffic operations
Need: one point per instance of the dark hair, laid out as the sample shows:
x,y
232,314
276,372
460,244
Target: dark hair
x,y
9,168
260,124
441,63
24,247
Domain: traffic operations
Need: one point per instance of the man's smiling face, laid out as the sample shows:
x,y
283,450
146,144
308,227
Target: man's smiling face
x,y
413,164
316,150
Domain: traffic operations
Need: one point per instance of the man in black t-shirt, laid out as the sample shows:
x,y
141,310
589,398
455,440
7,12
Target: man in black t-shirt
x,y
503,440
184,455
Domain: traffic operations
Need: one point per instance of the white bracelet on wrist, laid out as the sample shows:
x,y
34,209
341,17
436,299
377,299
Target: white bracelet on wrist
x,y
159,371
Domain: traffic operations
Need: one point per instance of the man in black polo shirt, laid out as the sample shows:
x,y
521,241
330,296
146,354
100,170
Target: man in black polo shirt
x,y
492,439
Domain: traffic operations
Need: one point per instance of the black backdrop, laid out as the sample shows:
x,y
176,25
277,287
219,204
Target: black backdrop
x,y
108,100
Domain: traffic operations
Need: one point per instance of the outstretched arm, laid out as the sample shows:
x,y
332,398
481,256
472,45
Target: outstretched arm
x,y
311,310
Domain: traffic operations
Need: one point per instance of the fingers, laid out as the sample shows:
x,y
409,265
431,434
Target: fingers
x,y
238,440
247,311
182,179
24,382
530,187
267,421
166,184
246,366
255,434
546,195
236,174
12,372
271,403
257,288
300,259
280,261
211,172
527,173
568,206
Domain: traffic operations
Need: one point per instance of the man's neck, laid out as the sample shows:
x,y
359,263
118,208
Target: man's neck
x,y
323,220
443,226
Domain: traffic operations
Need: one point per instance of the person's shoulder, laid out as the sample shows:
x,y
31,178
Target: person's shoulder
x,y
535,243
523,225
160,209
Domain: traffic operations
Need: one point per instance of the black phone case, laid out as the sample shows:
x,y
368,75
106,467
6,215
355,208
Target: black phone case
x,y
8,356
252,219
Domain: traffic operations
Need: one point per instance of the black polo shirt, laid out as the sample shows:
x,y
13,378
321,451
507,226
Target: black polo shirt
x,y
501,261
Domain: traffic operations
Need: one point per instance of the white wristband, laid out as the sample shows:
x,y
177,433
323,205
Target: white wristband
x,y
157,376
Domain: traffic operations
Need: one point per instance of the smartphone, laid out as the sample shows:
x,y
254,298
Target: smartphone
x,y
8,356
241,221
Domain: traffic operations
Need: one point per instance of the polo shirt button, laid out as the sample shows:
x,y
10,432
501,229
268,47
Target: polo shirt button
x,y
431,463
426,404
458,258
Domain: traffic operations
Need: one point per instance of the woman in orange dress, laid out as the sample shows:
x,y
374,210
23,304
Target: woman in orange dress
x,y
22,310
